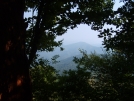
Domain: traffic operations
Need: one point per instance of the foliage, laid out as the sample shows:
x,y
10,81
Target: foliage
x,y
44,80
106,77
122,37
48,85
113,75
74,85
52,18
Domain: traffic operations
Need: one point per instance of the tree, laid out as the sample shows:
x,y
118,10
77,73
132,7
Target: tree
x,y
120,38
19,47
14,73
44,81
104,77
112,75
73,85
70,85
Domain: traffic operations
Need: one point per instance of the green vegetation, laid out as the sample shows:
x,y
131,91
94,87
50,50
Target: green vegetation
x,y
108,77
104,77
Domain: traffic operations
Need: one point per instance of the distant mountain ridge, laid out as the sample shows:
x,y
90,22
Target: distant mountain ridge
x,y
71,50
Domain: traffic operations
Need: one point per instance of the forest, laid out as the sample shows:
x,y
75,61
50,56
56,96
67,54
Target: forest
x,y
24,76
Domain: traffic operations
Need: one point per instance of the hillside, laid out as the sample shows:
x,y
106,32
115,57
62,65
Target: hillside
x,y
71,50
65,64
67,55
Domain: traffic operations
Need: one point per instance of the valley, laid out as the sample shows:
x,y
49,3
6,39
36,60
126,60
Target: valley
x,y
70,51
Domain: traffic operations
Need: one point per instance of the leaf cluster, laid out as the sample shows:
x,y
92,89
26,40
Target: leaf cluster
x,y
122,37
52,18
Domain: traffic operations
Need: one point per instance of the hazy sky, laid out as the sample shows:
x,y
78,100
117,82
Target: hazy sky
x,y
82,34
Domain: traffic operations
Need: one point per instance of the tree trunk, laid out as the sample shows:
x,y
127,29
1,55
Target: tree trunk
x,y
14,69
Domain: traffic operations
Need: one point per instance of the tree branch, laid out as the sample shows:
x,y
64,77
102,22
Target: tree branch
x,y
36,35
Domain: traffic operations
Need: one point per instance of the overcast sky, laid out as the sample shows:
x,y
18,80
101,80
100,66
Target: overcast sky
x,y
82,34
